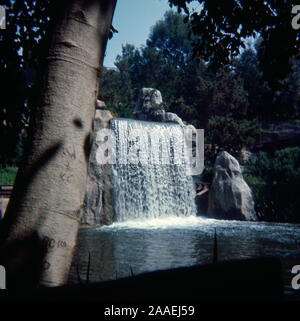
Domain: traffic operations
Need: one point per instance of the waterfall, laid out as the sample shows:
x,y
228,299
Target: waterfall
x,y
149,175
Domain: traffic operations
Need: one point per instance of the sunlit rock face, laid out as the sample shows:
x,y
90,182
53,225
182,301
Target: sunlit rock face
x,y
230,197
149,107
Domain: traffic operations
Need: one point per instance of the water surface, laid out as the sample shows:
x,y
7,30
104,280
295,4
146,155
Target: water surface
x,y
133,247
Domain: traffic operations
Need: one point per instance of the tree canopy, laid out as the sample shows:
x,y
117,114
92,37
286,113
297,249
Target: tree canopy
x,y
22,48
220,29
232,104
216,32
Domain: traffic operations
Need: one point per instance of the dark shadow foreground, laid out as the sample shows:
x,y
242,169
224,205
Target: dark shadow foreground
x,y
253,279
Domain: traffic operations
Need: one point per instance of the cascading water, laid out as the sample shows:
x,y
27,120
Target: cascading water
x,y
150,174
156,226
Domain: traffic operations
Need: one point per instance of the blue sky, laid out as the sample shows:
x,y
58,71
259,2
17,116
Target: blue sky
x,y
133,19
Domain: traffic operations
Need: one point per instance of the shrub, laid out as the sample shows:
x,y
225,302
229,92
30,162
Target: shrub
x,y
8,175
275,182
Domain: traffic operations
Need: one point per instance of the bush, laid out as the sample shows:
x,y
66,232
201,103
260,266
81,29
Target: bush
x,y
275,182
261,167
286,166
283,167
277,202
231,134
8,175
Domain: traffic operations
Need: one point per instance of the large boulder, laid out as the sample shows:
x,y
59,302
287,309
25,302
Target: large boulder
x,y
98,202
149,107
230,197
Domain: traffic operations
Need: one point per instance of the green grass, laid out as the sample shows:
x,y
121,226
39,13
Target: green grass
x,y
8,175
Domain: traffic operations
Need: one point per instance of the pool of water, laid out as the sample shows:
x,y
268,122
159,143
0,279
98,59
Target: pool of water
x,y
133,247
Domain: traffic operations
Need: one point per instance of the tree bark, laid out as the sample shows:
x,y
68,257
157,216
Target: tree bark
x,y
39,231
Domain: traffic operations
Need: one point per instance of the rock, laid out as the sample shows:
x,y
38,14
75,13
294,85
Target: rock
x,y
102,119
280,136
230,197
191,127
98,202
149,104
172,118
149,107
100,104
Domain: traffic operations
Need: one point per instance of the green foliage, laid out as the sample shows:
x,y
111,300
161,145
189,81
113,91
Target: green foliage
x,y
286,102
264,103
286,166
261,166
231,134
276,202
22,46
283,167
8,175
220,29
228,96
121,110
117,92
275,182
169,37
231,105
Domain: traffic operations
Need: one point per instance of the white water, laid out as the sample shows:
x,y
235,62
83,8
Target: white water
x,y
154,184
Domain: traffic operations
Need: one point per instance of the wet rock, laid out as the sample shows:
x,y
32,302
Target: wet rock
x,y
230,197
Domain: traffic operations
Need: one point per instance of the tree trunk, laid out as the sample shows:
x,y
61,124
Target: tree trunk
x,y
39,231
